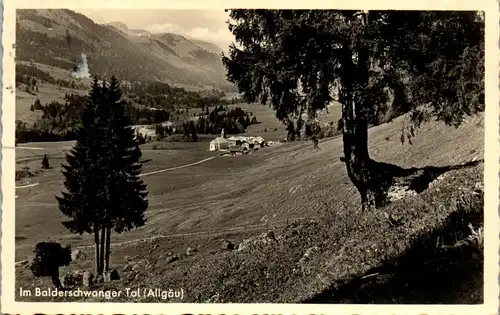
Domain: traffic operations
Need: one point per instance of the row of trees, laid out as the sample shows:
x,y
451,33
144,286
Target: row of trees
x,y
162,95
58,121
234,120
293,59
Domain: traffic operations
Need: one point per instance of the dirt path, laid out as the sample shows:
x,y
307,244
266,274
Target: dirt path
x,y
29,185
206,232
144,174
30,148
178,167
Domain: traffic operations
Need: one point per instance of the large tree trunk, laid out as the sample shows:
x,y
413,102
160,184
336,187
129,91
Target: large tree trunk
x,y
108,245
360,167
96,241
54,275
103,238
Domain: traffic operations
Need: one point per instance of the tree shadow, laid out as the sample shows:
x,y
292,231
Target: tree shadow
x,y
424,273
385,176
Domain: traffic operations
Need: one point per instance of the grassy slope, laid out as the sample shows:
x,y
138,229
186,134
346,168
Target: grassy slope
x,y
47,93
272,185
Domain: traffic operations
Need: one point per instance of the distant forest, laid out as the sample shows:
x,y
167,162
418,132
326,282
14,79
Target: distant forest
x,y
150,104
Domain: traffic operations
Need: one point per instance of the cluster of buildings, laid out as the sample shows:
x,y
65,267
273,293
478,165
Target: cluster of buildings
x,y
236,144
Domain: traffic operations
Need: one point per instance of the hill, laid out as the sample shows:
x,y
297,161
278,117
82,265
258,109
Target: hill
x,y
208,46
237,197
57,38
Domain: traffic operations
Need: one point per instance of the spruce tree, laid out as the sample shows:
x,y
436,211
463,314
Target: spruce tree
x,y
104,190
83,201
45,162
125,192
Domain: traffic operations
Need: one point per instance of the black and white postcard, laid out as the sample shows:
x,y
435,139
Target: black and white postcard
x,y
208,157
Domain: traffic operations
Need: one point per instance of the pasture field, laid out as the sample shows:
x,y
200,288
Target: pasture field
x,y
198,198
46,93
200,204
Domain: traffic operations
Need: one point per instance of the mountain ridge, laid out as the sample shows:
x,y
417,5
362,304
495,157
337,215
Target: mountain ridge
x,y
56,37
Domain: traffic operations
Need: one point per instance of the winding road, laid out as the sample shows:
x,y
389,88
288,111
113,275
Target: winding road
x,y
144,174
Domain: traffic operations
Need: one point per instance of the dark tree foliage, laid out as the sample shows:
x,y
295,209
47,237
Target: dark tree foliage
x,y
101,174
59,121
37,105
45,162
49,256
295,60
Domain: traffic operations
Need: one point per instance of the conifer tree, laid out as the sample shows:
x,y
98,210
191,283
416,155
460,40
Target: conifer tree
x,y
83,201
103,188
45,162
126,193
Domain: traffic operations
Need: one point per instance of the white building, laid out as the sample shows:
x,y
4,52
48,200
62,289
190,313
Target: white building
x,y
219,143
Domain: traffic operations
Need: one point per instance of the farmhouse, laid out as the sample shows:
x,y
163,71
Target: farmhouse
x,y
238,150
238,141
219,143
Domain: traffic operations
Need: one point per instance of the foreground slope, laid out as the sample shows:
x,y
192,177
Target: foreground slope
x,y
327,249
271,185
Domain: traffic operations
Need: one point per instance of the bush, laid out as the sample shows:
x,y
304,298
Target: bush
x,y
37,105
49,256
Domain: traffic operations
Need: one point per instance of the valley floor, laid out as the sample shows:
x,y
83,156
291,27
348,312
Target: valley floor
x,y
238,197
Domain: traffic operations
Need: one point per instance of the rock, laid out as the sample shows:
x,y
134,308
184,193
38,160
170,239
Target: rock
x,y
214,299
479,187
76,254
131,276
114,275
243,245
227,245
106,276
72,280
100,279
397,192
264,238
87,279
190,251
127,267
135,267
270,235
171,259
137,276
308,254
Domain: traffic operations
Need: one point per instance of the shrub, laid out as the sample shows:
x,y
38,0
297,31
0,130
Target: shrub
x,y
37,105
49,256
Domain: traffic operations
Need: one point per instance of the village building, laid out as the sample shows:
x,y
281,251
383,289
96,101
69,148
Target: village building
x,y
237,145
218,144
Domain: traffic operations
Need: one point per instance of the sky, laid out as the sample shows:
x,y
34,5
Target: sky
x,y
207,25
